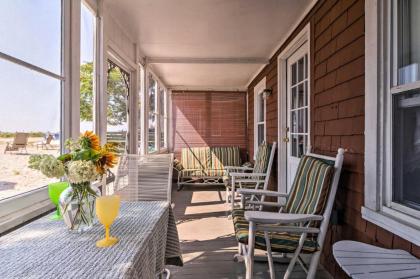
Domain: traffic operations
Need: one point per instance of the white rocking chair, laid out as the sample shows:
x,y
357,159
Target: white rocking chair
x,y
258,175
301,223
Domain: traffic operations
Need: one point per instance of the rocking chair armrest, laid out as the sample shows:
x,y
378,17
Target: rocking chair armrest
x,y
262,192
262,217
246,174
237,168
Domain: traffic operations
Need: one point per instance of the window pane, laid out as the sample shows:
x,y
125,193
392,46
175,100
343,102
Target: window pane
x,y
406,148
294,97
87,54
118,84
261,108
261,131
408,41
152,114
162,105
31,31
30,103
294,144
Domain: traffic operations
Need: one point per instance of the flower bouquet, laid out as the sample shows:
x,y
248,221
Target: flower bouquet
x,y
86,161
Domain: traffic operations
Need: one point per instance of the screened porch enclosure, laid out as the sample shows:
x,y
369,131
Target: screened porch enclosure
x,y
238,92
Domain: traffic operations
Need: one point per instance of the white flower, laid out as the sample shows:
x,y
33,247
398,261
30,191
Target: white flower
x,y
81,171
51,167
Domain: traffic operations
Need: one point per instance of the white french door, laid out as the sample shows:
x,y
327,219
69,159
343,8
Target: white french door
x,y
297,138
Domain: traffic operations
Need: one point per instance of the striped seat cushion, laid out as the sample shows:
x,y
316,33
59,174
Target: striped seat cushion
x,y
195,158
225,156
280,242
311,186
263,156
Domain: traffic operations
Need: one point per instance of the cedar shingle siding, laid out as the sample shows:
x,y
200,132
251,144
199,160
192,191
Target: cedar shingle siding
x,y
209,119
337,115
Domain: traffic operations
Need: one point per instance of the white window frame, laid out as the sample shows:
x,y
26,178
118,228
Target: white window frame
x,y
258,90
23,207
160,85
379,208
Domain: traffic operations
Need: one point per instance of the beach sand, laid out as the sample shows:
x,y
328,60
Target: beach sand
x,y
15,176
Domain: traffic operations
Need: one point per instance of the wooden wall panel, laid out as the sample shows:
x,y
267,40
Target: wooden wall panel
x,y
337,115
209,119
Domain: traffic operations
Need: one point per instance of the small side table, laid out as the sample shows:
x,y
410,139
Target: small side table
x,y
363,261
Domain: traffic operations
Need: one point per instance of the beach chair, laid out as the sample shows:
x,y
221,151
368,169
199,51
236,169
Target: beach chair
x,y
301,223
45,142
19,142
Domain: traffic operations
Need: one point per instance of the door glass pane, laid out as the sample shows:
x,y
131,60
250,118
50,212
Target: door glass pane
x,y
406,148
305,96
294,97
305,72
294,143
300,68
301,94
31,31
152,114
293,121
301,120
118,84
87,55
294,77
301,146
408,41
30,118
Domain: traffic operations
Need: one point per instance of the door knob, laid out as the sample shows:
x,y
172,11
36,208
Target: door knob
x,y
285,139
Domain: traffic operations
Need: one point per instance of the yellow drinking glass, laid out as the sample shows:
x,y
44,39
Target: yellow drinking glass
x,y
107,208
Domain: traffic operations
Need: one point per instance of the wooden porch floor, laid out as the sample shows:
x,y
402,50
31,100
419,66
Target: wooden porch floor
x,y
207,240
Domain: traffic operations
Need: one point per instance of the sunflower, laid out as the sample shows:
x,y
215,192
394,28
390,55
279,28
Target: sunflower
x,y
107,161
90,140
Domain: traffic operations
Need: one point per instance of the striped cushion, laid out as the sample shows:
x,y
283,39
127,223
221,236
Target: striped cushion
x,y
215,172
310,187
225,156
263,156
280,242
195,158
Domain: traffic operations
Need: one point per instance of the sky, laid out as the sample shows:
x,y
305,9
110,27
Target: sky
x,y
31,31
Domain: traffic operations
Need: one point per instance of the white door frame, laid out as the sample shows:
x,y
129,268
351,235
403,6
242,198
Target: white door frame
x,y
302,38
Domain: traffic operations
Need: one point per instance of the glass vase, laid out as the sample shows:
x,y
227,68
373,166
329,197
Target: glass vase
x,y
77,204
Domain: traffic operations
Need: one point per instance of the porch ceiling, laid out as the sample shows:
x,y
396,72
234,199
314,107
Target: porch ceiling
x,y
208,44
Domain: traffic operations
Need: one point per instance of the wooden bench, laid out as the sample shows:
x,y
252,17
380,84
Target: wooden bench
x,y
363,261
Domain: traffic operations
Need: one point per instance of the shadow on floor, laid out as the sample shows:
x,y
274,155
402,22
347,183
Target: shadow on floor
x,y
207,239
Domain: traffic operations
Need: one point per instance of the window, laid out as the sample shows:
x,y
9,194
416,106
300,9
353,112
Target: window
x,y
260,114
392,150
152,114
162,117
118,88
31,90
87,68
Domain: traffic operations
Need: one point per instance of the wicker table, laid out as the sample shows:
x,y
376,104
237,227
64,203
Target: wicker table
x,y
46,249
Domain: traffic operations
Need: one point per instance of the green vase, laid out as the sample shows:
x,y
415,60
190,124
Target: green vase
x,y
54,192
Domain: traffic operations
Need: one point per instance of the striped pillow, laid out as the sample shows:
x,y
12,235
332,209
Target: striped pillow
x,y
263,156
311,187
225,156
195,158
